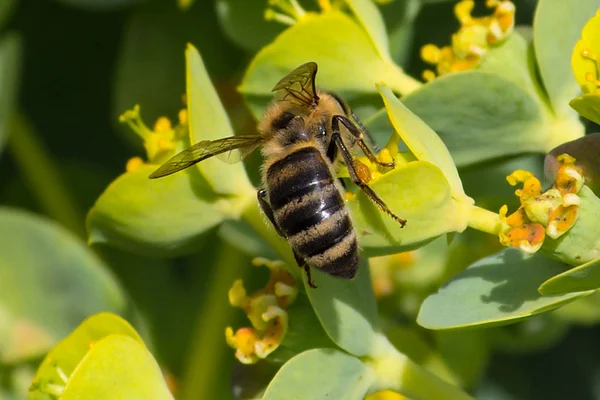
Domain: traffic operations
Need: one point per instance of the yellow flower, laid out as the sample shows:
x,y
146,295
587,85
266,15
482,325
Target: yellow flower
x,y
585,62
160,141
472,40
265,309
551,213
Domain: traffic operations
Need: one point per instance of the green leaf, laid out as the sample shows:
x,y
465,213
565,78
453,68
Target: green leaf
x,y
117,366
465,353
158,216
69,352
370,18
498,289
481,116
244,22
422,141
49,282
513,60
578,279
347,309
321,374
588,106
208,120
10,54
418,192
554,44
348,61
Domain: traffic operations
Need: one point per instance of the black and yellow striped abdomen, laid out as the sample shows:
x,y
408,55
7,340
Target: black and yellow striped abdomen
x,y
310,211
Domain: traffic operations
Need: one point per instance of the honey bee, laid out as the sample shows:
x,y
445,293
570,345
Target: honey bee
x,y
303,135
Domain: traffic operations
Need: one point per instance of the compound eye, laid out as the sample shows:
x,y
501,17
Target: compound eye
x,y
321,131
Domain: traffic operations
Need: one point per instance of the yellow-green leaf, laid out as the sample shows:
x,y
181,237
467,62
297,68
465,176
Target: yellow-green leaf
x,y
208,120
422,141
417,192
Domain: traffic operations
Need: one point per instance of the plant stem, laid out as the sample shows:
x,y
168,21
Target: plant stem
x,y
207,353
39,171
395,371
484,220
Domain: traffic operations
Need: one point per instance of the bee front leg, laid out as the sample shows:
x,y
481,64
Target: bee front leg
x,y
336,139
358,134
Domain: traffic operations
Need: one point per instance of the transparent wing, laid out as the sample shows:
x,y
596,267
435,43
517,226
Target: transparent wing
x,y
231,150
299,86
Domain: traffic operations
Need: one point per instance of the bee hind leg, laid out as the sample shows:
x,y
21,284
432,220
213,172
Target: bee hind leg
x,y
358,133
336,140
302,264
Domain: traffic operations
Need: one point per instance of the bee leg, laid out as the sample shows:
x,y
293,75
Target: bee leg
x,y
337,139
302,264
358,134
266,208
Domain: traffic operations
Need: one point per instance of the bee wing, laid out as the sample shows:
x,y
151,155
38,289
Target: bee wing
x,y
231,150
300,86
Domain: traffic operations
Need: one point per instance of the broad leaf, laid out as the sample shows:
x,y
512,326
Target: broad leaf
x,y
347,309
49,282
208,120
347,58
69,352
498,289
158,216
583,277
422,141
554,44
480,116
321,374
417,192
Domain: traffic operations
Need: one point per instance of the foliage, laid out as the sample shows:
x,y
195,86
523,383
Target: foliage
x,y
447,307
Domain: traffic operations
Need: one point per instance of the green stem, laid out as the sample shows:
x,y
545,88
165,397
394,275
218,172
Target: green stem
x,y
208,351
395,371
41,175
484,220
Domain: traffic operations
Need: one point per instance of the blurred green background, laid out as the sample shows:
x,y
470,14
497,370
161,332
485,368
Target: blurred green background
x,y
82,64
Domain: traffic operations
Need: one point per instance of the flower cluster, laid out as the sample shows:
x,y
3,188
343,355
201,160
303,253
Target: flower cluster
x,y
551,213
160,141
265,309
473,39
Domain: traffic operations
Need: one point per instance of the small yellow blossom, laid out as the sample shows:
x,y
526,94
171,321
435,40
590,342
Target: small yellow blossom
x,y
265,309
551,213
585,62
473,39
158,142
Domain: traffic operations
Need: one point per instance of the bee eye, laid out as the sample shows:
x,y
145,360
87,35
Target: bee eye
x,y
321,130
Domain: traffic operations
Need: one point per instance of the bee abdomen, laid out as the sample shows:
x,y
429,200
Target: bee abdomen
x,y
295,175
310,211
330,245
